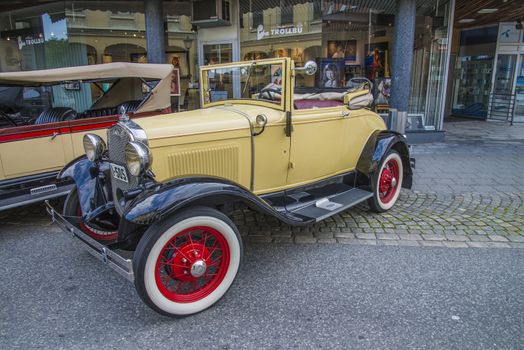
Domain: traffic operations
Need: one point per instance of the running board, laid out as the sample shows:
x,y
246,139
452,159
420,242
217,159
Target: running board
x,y
328,206
39,195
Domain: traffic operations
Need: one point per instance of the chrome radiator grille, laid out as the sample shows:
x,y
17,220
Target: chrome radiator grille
x,y
117,138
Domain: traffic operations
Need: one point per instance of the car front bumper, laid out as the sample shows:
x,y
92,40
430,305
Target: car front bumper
x,y
109,257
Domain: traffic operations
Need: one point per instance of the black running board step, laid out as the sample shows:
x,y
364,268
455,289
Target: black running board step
x,y
328,206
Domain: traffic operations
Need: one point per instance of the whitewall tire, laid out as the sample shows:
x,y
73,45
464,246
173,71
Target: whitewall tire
x,y
186,263
387,182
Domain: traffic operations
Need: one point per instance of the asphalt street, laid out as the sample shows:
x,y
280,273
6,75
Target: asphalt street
x,y
55,295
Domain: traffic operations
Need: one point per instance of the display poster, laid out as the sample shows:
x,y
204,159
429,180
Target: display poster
x,y
331,73
342,49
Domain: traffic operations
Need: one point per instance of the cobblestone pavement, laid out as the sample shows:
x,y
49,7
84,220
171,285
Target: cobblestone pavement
x,y
455,221
468,192
477,157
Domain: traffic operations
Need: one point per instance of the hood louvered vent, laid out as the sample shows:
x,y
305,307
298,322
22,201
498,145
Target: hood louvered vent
x,y
220,161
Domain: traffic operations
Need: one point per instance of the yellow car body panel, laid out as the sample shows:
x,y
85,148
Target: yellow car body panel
x,y
216,141
36,155
325,142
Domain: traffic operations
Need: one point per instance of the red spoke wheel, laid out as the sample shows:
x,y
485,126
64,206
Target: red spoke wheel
x,y
192,264
387,183
72,208
186,263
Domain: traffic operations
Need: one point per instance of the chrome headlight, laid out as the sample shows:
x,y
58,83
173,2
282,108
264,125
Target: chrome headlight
x,y
138,158
94,147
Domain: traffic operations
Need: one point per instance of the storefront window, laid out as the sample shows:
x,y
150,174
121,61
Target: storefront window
x,y
351,40
34,38
218,53
107,32
473,72
75,33
430,67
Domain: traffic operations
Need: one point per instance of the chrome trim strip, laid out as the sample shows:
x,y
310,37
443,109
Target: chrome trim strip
x,y
252,134
112,259
43,189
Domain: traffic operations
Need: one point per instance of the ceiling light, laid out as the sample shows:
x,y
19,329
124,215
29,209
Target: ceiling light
x,y
466,20
487,11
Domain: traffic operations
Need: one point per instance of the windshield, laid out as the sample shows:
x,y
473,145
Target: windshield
x,y
260,82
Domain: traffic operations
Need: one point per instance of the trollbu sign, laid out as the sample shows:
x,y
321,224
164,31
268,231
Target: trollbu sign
x,y
293,30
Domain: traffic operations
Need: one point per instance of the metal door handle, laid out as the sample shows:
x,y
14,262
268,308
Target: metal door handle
x,y
345,114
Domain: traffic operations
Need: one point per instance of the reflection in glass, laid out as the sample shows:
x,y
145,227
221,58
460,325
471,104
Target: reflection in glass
x,y
262,82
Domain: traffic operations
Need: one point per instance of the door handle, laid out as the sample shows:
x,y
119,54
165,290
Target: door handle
x,y
55,134
345,114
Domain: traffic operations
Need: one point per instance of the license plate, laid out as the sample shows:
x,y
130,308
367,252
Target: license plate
x,y
119,173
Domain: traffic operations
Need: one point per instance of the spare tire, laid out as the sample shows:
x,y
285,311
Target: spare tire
x,y
56,114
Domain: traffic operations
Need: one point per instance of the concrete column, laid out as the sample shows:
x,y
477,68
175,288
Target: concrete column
x,y
402,55
155,35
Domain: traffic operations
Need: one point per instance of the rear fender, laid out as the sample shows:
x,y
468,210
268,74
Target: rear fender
x,y
377,146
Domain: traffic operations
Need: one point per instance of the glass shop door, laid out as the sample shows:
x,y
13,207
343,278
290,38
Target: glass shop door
x,y
501,99
519,91
471,91
504,73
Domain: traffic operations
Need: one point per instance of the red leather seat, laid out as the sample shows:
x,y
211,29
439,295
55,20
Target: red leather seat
x,y
307,104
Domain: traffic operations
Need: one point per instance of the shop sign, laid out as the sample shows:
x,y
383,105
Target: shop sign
x,y
29,40
275,32
509,33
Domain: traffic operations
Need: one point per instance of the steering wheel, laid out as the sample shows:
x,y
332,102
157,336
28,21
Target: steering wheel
x,y
267,91
359,82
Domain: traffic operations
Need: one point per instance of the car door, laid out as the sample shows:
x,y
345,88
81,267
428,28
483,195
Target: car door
x,y
34,149
325,141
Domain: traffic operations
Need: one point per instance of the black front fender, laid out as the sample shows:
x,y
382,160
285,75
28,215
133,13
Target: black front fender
x,y
167,198
84,173
377,146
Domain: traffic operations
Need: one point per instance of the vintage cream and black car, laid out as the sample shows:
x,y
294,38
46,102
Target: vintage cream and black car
x,y
45,114
164,186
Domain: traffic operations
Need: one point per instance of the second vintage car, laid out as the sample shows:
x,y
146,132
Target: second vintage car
x,y
44,115
164,186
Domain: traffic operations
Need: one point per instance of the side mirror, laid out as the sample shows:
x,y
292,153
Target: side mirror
x,y
310,68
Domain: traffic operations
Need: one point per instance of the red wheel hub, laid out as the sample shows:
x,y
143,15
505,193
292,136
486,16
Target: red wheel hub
x,y
388,181
188,269
192,264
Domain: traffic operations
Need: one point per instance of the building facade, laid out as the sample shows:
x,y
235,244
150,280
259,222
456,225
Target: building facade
x,y
409,49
